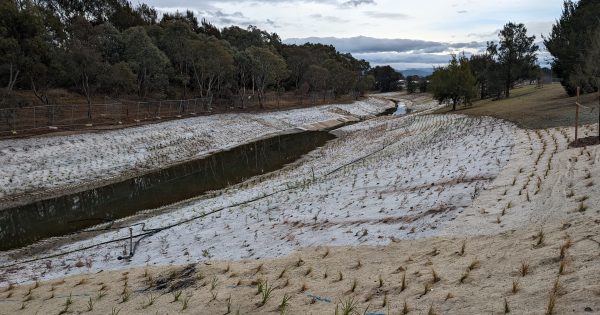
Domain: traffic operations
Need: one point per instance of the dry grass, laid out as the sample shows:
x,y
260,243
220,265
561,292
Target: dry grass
x,y
533,108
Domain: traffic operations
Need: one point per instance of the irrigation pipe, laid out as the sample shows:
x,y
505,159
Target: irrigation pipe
x,y
151,232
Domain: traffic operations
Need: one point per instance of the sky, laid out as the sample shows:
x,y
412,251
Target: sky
x,y
404,34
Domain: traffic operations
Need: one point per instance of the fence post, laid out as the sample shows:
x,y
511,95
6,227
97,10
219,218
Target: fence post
x,y
34,124
72,117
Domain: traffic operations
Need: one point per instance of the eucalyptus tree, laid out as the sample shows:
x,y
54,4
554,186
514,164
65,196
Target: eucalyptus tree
x,y
149,64
268,68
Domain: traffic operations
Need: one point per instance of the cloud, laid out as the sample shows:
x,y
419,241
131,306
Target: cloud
x,y
356,3
462,11
387,15
328,18
362,44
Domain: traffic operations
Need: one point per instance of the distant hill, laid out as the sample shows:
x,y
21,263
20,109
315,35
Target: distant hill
x,y
423,72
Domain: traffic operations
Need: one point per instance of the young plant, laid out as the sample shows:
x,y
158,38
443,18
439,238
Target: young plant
x,y
348,307
435,276
515,286
176,295
266,293
354,285
284,303
403,283
184,302
524,270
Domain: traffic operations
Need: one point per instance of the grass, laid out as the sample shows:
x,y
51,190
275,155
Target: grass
x,y
284,303
185,302
176,295
533,108
403,283
354,285
266,292
515,286
347,307
524,269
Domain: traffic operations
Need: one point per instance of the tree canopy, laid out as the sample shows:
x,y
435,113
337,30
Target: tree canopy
x,y
116,48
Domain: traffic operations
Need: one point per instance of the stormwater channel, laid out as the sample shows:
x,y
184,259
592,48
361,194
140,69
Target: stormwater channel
x,y
26,224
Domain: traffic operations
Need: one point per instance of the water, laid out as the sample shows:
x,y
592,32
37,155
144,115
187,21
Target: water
x,y
27,224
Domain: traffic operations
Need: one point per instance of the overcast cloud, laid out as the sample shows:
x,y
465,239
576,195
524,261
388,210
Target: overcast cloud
x,y
405,34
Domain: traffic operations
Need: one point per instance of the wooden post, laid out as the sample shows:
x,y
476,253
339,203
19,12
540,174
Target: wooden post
x,y
577,117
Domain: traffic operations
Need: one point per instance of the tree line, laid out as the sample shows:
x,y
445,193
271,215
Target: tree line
x,y
492,73
574,44
110,47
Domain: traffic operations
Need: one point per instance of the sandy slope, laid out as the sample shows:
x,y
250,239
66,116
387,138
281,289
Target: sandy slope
x,y
419,188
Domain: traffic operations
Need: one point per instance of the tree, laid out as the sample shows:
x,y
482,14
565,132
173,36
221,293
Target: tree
x,y
516,53
411,84
571,35
423,85
386,77
149,64
341,80
455,82
268,68
86,59
364,84
316,77
211,63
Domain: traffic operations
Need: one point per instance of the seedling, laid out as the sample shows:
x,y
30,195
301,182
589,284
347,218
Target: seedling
x,y
266,293
403,283
90,305
435,276
462,248
284,303
354,284
348,306
176,295
524,269
405,309
515,286
506,307
380,281
184,302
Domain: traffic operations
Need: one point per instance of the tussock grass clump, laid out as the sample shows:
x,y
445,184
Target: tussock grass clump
x,y
403,283
515,286
463,248
176,295
346,307
506,306
524,269
282,273
284,304
354,285
266,293
308,272
435,277
540,238
431,311
474,265
185,301
405,309
426,289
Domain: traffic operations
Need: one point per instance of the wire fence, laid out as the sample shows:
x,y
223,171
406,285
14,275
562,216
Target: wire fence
x,y
48,117
45,118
